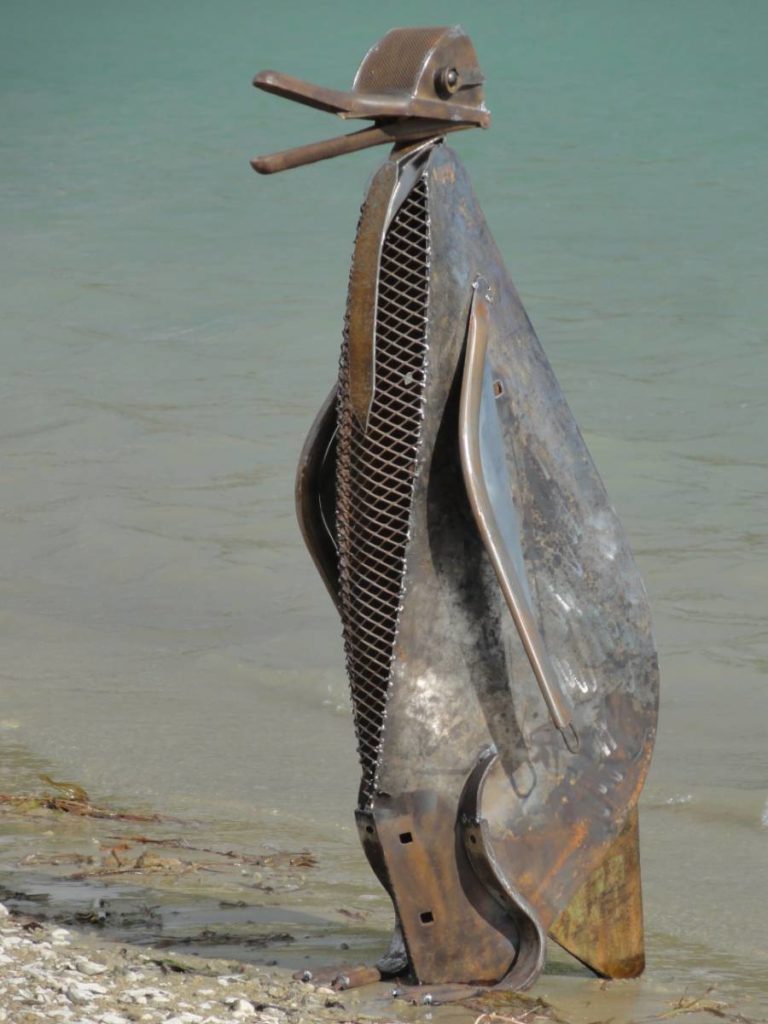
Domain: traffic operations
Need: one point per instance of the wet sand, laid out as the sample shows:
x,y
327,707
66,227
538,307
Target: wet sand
x,y
54,973
185,929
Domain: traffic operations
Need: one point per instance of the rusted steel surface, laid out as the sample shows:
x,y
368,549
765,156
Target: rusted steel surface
x,y
603,924
503,674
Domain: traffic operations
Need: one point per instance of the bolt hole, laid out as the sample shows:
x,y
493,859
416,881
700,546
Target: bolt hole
x,y
406,837
369,829
427,917
498,388
473,839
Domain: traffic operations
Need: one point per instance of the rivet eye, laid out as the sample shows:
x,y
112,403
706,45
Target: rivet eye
x,y
447,82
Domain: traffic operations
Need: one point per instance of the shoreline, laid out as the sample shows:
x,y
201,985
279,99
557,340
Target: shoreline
x,y
98,923
51,973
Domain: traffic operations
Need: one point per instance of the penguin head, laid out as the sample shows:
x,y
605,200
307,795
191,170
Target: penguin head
x,y
414,83
417,66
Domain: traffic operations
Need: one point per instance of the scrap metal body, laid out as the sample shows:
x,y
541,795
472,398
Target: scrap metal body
x,y
503,676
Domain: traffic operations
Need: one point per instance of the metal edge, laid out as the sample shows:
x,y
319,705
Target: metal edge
x,y
482,508
316,454
475,833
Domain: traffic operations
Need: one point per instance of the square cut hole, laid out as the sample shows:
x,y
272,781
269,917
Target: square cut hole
x,y
406,837
427,917
498,389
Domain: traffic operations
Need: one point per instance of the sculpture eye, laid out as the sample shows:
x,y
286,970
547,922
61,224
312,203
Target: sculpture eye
x,y
447,82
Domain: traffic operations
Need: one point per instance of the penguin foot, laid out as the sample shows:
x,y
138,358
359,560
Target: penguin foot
x,y
340,978
392,964
436,995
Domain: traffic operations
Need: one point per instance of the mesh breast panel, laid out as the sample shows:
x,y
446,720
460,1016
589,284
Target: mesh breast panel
x,y
375,475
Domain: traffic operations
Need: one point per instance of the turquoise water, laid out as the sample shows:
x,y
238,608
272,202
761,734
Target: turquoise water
x,y
171,322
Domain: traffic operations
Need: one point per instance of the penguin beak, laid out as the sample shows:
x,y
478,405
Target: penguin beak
x,y
396,118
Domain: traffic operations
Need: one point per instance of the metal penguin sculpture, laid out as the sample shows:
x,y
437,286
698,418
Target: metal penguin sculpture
x,y
497,635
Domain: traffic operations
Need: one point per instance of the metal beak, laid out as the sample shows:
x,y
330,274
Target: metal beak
x,y
376,135
396,119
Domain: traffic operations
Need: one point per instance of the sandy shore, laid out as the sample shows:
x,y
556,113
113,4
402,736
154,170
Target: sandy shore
x,y
50,973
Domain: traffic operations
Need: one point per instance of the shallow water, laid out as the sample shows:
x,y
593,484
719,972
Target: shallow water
x,y
171,323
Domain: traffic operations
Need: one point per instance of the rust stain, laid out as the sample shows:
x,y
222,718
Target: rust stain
x,y
603,924
576,838
445,175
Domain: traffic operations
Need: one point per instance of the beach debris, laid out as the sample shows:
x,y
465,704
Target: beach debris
x,y
704,1003
276,858
101,912
502,1018
69,790
56,860
211,937
503,1007
174,965
70,799
354,915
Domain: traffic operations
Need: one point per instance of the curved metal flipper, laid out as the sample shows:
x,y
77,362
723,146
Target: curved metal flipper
x,y
316,494
478,845
487,483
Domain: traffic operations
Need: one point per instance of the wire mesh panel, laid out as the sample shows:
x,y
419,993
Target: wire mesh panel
x,y
376,471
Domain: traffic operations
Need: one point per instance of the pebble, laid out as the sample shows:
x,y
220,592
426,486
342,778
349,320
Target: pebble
x,y
50,974
240,1006
82,994
146,995
85,966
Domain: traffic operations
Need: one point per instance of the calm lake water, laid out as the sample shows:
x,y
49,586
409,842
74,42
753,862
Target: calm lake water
x,y
170,323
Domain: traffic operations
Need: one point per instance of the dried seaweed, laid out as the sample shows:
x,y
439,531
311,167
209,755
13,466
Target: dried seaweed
x,y
25,804
280,858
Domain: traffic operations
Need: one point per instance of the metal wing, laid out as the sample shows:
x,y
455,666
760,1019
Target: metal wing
x,y
316,494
